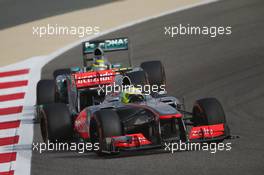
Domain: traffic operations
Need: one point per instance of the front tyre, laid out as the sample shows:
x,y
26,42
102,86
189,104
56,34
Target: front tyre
x,y
56,123
105,124
209,111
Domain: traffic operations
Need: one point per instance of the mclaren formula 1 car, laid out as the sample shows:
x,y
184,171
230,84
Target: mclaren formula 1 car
x,y
134,121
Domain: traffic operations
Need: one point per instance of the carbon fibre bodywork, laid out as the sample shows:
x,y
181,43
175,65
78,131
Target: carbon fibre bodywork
x,y
148,124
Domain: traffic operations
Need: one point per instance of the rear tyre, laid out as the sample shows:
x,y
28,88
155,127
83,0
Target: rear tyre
x,y
46,92
138,78
56,123
106,124
155,72
209,111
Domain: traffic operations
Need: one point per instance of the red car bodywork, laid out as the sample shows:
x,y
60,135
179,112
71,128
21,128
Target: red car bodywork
x,y
81,126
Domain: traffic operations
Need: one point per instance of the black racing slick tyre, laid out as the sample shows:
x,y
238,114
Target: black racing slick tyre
x,y
107,125
155,72
56,123
46,92
209,111
137,78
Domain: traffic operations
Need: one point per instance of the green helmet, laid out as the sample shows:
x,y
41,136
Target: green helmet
x,y
131,95
100,63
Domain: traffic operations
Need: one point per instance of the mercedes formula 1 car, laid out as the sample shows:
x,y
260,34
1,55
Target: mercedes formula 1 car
x,y
78,87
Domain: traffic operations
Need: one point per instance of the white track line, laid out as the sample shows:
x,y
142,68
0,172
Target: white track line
x,y
12,90
13,78
7,132
25,115
4,133
12,103
25,131
11,117
4,167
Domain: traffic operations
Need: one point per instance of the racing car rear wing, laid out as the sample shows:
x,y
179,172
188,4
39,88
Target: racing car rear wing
x,y
91,79
108,45
96,78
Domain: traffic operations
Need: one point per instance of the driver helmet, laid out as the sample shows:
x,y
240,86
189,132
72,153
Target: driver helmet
x,y
132,95
100,63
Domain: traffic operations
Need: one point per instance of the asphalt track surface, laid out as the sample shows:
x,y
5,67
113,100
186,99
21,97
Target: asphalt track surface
x,y
230,68
15,12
